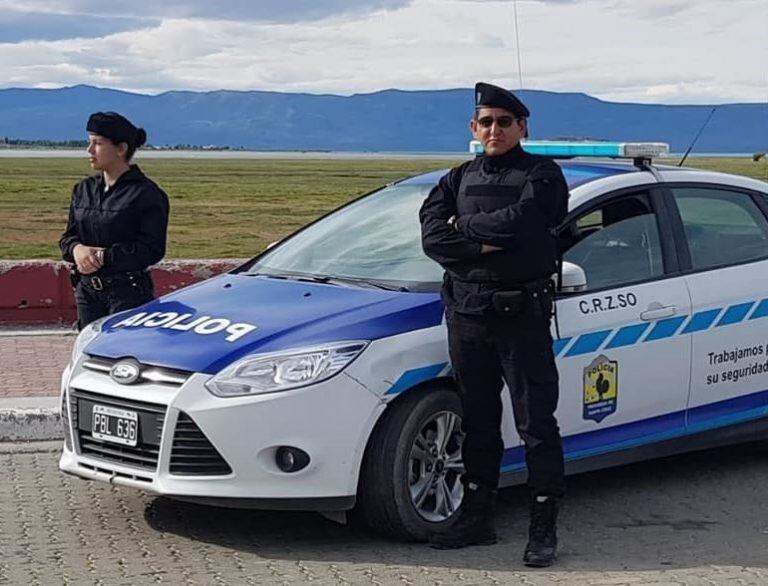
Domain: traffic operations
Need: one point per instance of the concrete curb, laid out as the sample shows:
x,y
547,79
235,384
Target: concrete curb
x,y
16,332
33,418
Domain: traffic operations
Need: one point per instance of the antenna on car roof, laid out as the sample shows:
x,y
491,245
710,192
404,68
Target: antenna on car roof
x,y
695,138
517,45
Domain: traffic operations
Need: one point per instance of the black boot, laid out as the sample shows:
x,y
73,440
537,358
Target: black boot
x,y
475,525
541,550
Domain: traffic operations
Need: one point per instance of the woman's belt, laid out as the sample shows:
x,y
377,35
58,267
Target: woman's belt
x,y
100,283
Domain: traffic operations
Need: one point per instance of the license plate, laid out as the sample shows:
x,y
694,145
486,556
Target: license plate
x,y
115,425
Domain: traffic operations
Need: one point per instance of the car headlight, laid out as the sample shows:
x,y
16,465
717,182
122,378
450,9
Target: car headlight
x,y
87,334
280,371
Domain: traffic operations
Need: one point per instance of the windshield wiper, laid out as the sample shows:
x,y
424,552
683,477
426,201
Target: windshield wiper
x,y
333,280
367,282
294,277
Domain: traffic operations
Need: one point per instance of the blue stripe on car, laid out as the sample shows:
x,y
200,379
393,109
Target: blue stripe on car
x,y
622,337
411,378
701,321
559,344
735,313
627,335
761,310
588,343
665,328
648,431
662,329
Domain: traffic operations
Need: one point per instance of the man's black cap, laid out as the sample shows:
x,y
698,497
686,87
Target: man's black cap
x,y
116,128
491,96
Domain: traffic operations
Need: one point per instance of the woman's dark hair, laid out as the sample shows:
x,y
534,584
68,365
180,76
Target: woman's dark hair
x,y
140,140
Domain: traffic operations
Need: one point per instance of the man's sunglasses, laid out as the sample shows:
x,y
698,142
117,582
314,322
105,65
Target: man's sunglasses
x,y
501,121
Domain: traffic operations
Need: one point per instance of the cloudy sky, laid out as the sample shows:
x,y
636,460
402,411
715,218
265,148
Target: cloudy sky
x,y
655,51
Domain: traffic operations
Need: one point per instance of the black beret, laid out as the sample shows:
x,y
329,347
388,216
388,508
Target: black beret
x,y
116,128
491,96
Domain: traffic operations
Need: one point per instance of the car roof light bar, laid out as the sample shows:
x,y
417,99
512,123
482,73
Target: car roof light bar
x,y
570,149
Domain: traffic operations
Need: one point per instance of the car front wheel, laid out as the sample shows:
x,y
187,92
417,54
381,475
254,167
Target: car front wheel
x,y
410,484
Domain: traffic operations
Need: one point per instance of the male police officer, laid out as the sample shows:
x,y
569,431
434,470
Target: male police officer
x,y
489,223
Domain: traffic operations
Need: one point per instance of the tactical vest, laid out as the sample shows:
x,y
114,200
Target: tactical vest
x,y
485,188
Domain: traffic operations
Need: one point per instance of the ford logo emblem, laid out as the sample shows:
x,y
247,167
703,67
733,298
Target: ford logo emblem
x,y
125,372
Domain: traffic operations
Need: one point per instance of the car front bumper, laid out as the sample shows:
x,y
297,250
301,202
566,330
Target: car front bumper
x,y
330,421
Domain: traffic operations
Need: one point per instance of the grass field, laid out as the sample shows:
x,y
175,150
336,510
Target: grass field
x,y
220,208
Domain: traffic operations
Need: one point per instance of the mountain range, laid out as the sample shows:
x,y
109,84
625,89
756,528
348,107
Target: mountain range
x,y
388,120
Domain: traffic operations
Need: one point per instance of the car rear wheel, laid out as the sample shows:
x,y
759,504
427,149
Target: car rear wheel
x,y
410,484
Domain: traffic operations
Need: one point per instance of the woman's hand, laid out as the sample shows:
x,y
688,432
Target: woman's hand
x,y
88,259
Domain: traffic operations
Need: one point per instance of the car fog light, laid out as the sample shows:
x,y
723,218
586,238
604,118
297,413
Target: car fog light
x,y
290,459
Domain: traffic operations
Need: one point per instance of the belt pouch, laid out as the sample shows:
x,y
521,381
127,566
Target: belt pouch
x,y
509,303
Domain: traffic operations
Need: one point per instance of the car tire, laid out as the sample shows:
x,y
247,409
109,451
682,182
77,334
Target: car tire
x,y
403,491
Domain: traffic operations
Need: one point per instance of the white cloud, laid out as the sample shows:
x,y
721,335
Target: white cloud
x,y
654,51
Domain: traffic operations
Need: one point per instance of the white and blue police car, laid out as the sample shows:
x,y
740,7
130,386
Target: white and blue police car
x,y
316,375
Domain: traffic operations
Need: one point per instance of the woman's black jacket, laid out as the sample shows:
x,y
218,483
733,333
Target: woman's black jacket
x,y
129,220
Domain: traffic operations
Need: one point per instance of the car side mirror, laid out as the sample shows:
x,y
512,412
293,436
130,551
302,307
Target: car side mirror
x,y
573,278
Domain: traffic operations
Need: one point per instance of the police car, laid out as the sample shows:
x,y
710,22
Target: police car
x,y
316,375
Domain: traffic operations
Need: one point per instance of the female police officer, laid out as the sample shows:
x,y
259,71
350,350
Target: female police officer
x,y
117,224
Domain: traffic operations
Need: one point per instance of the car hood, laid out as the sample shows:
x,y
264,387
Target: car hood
x,y
207,326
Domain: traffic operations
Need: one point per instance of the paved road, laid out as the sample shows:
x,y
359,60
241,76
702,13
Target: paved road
x,y
696,520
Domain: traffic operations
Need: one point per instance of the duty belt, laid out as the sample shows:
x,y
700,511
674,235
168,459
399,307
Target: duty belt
x,y
532,288
100,283
523,298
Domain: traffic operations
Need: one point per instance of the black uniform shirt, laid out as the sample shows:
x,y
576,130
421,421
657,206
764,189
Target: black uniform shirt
x,y
513,202
129,220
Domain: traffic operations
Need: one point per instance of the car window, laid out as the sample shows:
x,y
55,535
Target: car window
x,y
721,226
616,243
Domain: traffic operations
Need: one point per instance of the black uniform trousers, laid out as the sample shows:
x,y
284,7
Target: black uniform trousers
x,y
485,351
117,294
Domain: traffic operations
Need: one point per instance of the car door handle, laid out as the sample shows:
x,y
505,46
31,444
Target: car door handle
x,y
657,311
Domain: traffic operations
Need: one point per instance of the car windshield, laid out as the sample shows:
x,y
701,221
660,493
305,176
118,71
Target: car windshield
x,y
375,241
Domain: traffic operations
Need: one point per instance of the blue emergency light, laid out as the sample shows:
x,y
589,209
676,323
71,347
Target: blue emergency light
x,y
568,149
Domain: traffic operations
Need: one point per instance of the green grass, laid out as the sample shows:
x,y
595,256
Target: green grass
x,y
738,166
219,208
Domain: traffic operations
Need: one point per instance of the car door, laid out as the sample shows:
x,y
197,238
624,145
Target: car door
x,y
724,237
624,367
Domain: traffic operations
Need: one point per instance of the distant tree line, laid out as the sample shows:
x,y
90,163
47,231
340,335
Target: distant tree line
x,y
196,147
7,142
24,142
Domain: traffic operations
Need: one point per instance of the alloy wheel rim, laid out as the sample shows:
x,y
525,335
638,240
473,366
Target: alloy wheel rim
x,y
435,467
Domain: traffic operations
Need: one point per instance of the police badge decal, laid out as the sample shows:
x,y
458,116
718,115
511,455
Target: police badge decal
x,y
601,388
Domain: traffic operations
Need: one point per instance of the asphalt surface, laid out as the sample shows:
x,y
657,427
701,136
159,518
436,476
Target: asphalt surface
x,y
698,519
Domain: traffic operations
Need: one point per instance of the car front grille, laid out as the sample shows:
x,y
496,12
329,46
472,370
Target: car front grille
x,y
114,473
150,416
192,453
147,372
